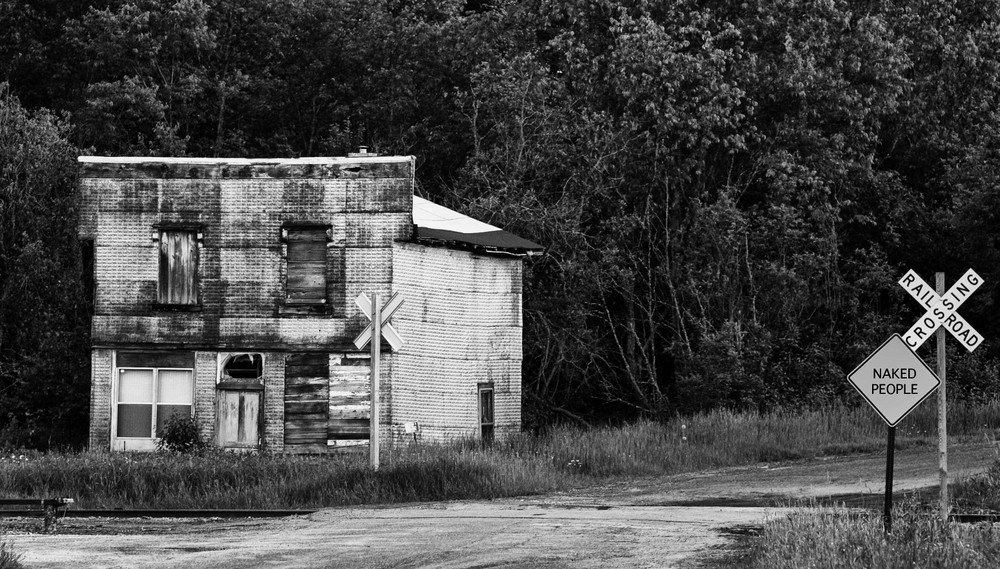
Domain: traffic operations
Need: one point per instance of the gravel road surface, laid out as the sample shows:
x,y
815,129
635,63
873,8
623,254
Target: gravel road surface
x,y
673,521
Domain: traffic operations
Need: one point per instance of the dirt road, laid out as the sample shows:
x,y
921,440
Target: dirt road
x,y
670,521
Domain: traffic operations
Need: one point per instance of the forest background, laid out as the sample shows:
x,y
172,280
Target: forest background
x,y
728,192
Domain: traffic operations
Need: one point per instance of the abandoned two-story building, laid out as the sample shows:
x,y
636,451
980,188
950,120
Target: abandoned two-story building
x,y
224,290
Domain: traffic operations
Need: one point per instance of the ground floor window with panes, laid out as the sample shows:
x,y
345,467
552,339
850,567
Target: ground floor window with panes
x,y
145,398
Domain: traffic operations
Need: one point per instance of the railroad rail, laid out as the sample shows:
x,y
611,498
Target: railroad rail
x,y
27,511
46,508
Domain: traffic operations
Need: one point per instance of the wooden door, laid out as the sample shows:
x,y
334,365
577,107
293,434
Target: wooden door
x,y
238,419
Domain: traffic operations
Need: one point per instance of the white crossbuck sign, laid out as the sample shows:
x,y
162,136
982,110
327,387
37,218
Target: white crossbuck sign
x,y
941,310
386,329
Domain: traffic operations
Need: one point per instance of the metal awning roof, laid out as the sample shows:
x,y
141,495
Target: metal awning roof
x,y
437,225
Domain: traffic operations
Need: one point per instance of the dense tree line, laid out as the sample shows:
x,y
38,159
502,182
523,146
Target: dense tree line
x,y
728,191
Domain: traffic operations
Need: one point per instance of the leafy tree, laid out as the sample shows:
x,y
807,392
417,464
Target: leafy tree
x,y
44,323
728,191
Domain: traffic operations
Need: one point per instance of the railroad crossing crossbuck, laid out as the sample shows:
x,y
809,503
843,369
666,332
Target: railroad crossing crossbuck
x,y
387,331
941,310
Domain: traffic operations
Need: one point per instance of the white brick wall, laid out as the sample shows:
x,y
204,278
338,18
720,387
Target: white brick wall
x,y
205,372
274,401
101,366
461,322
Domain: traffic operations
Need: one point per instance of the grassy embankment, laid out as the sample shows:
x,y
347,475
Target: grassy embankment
x,y
837,538
559,459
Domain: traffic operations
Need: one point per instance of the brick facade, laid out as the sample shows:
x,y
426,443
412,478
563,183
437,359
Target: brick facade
x,y
461,320
242,211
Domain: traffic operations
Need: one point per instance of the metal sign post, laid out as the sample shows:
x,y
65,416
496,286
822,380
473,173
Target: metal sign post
x,y
894,380
378,328
889,457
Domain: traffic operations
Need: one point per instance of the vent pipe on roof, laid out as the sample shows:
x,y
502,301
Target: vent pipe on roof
x,y
361,153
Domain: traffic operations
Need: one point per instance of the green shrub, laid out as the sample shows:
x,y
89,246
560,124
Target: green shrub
x,y
181,434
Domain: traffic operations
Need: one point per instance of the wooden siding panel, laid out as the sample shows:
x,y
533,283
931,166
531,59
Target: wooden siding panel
x,y
306,236
350,403
305,359
238,419
349,428
307,395
294,409
306,370
358,411
307,251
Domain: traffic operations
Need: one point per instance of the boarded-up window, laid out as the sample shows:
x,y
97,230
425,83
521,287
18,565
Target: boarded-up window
x,y
306,265
307,401
178,267
350,404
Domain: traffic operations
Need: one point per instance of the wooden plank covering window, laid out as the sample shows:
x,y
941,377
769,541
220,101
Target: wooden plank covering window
x,y
307,395
306,265
178,267
350,403
238,419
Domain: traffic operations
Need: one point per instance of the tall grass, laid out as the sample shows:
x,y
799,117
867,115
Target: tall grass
x,y
980,493
8,558
838,539
561,458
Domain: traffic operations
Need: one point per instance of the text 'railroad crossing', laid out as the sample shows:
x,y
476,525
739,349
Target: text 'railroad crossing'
x,y
941,310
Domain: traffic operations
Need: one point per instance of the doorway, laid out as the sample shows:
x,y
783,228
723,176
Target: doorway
x,y
238,419
238,401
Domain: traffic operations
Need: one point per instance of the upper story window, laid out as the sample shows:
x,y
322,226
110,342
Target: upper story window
x,y
305,265
178,274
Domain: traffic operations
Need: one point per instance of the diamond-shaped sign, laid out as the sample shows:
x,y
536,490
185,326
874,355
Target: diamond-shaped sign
x,y
894,380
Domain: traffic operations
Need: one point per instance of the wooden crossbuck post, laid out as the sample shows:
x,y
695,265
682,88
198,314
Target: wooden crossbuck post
x,y
942,361
378,328
373,434
941,316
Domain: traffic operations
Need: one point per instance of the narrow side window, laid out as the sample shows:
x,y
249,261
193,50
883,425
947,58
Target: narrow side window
x,y
486,413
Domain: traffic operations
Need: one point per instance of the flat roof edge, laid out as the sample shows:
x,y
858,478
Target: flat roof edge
x,y
240,161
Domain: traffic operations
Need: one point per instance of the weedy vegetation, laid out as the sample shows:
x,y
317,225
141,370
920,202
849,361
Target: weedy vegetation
x,y
558,458
836,538
8,558
980,493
